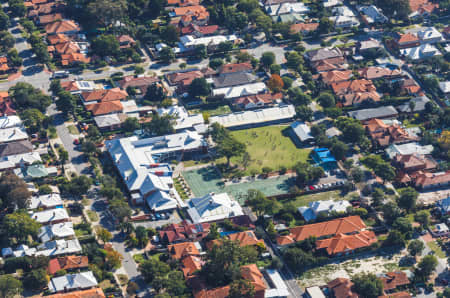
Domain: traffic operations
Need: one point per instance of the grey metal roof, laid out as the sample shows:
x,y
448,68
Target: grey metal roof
x,y
367,114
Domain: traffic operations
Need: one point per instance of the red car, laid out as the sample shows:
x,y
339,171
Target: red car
x,y
76,142
311,187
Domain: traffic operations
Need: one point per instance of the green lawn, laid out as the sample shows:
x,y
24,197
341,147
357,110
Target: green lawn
x,y
92,215
269,146
321,196
437,249
212,112
73,129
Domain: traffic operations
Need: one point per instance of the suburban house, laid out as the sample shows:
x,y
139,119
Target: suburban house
x,y
255,118
66,27
182,119
67,263
90,293
376,72
430,35
74,58
191,265
422,8
344,225
257,101
125,41
195,14
372,14
103,95
301,133
15,148
385,133
68,282
325,59
335,76
78,87
50,249
233,79
23,160
407,40
410,87
183,79
393,281
417,103
341,288
140,163
342,244
199,31
445,88
367,114
343,17
426,180
235,67
189,42
213,207
410,163
51,216
303,28
56,231
323,208
110,121
407,149
356,92
48,201
444,205
368,44
420,52
178,251
245,238
184,232
241,90
4,64
139,84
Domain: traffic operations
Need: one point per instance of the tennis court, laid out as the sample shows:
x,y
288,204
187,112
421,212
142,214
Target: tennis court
x,y
206,180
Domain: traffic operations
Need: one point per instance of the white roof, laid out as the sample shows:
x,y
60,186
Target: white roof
x,y
317,207
287,7
12,134
315,292
10,121
344,20
84,86
12,161
50,248
343,11
45,201
213,207
280,288
442,228
420,52
331,3
191,41
129,106
59,230
255,116
242,90
373,14
409,148
160,201
51,215
302,131
444,204
182,119
69,282
107,120
430,33
445,86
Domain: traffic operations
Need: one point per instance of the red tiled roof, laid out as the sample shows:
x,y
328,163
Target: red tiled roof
x,y
105,107
407,38
105,95
191,264
57,38
69,47
67,59
69,86
221,292
184,78
416,5
50,18
62,27
265,98
392,280
342,288
343,225
403,294
385,135
91,293
303,27
342,243
425,179
183,2
179,250
235,67
252,274
336,76
415,161
205,30
197,12
375,72
67,263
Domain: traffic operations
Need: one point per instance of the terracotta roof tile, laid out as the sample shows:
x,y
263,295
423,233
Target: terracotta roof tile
x,y
91,293
106,107
191,264
342,243
336,76
235,67
403,294
407,38
62,27
179,250
342,288
105,95
392,280
303,27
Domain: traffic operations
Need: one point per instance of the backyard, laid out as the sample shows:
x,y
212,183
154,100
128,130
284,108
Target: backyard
x,y
304,200
268,146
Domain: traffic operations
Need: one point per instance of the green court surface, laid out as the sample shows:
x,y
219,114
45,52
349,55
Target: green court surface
x,y
206,180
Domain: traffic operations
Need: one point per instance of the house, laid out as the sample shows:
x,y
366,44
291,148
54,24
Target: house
x,y
183,79
384,134
183,121
15,148
418,103
276,286
178,251
44,20
376,72
56,231
67,263
410,87
245,238
196,14
342,244
4,64
444,205
420,52
78,87
191,265
303,28
213,207
140,84
233,79
239,91
68,282
255,118
125,41
407,149
394,280
343,17
445,88
356,92
372,14
367,114
323,157
74,58
19,160
51,216
48,201
407,40
189,43
369,44
67,27
257,101
422,7
429,35
182,232
252,274
103,95
323,208
199,31
50,248
335,76
105,108
91,293
324,54
301,133
341,288
344,225
140,162
331,3
235,67
35,171
409,163
441,229
110,122
426,180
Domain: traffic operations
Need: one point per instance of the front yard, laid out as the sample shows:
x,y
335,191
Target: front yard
x,y
304,200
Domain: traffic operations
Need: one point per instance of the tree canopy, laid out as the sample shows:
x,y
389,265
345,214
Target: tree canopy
x,y
25,96
367,285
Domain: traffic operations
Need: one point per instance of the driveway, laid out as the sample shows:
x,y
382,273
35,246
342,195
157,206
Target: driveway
x,y
267,47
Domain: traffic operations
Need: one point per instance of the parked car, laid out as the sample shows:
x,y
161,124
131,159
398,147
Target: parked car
x,y
76,142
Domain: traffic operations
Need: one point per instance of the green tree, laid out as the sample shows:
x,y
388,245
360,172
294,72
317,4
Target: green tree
x,y
25,96
423,217
367,285
391,211
20,225
215,63
415,247
105,45
142,236
304,113
130,124
200,52
403,224
326,99
9,286
267,59
160,125
325,25
170,34
199,87
155,93
298,260
88,147
17,8
260,203
79,185
408,198
7,41
4,21
230,147
395,238
36,279
120,209
66,102
339,149
108,12
425,267
103,234
398,9
294,60
152,268
241,288
167,55
352,130
13,192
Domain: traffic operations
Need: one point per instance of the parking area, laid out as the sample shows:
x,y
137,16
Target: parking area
x,y
171,218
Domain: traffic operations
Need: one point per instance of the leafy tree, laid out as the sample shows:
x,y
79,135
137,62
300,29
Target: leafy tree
x,y
105,45
20,225
10,286
403,225
170,34
415,247
293,60
66,102
120,209
297,97
103,234
339,149
13,58
352,130
225,47
33,119
25,96
263,21
107,11
395,238
142,236
160,125
407,199
167,55
55,87
306,173
130,124
243,57
199,87
17,8
325,25
36,279
7,41
260,203
63,155
398,9
426,267
113,259
275,83
377,197
223,262
155,93
326,100
241,288
391,211
152,268
4,21
357,174
13,191
200,52
79,185
423,217
304,113
267,59
367,285
380,167
298,260
132,288
215,63
230,147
